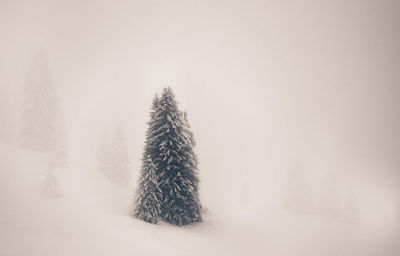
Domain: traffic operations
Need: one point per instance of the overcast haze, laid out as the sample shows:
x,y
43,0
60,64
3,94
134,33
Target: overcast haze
x,y
267,85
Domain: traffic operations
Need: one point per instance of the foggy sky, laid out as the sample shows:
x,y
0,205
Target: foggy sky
x,y
265,83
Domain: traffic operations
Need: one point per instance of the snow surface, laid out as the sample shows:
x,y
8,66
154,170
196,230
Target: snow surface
x,y
91,218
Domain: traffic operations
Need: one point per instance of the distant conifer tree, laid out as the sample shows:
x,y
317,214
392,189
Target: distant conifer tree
x,y
113,158
42,124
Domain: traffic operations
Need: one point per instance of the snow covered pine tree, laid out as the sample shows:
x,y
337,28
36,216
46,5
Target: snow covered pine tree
x,y
148,196
169,146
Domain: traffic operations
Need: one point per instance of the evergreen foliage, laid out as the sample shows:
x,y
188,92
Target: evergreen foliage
x,y
148,196
42,124
148,204
42,120
169,147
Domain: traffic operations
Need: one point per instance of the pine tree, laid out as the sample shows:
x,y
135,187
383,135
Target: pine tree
x,y
169,148
42,124
148,203
148,197
176,164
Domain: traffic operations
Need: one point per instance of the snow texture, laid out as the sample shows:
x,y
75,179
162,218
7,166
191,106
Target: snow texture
x,y
78,224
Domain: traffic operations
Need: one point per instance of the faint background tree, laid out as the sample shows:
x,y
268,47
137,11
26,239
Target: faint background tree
x,y
113,158
42,124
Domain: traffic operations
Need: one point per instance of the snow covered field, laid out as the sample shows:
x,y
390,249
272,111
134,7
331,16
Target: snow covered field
x,y
78,223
